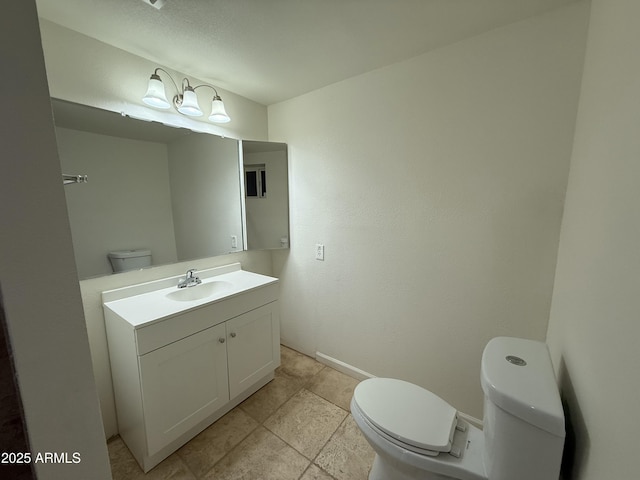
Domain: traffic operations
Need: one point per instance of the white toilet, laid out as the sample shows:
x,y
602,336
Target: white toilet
x,y
125,260
417,435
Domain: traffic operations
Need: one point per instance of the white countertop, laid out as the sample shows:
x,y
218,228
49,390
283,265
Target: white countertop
x,y
140,309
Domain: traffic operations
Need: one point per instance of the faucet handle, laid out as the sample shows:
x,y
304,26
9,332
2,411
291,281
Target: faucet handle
x,y
190,272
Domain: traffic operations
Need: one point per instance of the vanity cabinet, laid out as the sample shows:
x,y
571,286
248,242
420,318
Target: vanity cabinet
x,y
249,356
182,384
175,375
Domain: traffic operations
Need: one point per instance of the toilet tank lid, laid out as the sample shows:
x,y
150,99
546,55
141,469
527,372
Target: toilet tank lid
x,y
518,377
130,253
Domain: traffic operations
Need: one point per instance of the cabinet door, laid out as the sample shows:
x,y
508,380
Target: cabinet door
x,y
253,347
182,384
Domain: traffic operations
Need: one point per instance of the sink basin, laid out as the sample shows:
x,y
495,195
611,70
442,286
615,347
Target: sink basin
x,y
204,290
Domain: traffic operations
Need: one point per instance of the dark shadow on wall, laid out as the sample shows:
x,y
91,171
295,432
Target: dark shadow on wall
x,y
577,442
13,437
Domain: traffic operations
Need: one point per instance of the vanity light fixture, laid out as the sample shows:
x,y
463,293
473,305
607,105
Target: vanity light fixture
x,y
186,100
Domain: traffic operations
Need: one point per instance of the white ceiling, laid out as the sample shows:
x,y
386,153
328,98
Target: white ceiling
x,y
273,50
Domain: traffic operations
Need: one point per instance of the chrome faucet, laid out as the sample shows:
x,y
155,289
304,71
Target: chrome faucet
x,y
190,280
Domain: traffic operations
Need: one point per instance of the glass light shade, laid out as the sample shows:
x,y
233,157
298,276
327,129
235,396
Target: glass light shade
x,y
155,95
189,105
218,113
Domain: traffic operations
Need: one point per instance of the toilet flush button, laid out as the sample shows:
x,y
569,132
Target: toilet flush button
x,y
516,360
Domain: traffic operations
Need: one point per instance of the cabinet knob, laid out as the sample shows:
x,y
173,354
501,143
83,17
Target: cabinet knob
x,y
221,339
233,334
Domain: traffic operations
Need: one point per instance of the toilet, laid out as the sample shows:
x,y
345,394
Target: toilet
x,y
125,260
418,435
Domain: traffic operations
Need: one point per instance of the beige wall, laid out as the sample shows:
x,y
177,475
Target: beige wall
x,y
40,293
437,188
594,327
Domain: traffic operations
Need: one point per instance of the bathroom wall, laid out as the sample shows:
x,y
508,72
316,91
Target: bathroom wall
x,y
129,181
437,187
40,294
594,328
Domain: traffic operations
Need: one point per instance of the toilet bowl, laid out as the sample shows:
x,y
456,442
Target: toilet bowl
x,y
418,435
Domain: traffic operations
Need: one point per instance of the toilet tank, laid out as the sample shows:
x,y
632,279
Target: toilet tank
x,y
124,260
523,417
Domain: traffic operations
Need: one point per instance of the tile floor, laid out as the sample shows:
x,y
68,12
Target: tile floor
x,y
297,427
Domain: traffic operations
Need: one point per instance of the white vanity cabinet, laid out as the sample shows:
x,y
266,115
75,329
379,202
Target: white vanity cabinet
x,y
249,356
183,384
175,375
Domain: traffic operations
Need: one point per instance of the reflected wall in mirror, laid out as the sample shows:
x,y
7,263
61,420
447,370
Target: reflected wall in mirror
x,y
150,186
266,191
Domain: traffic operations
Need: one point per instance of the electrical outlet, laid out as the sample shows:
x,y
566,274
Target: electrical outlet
x,y
234,241
319,251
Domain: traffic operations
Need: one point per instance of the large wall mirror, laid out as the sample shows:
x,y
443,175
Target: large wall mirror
x,y
178,193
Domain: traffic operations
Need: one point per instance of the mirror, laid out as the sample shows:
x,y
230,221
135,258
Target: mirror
x,y
150,186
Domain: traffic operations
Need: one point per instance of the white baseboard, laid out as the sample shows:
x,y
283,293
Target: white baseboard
x,y
358,374
343,367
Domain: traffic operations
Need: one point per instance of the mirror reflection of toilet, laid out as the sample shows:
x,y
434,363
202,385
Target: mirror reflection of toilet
x,y
125,260
417,435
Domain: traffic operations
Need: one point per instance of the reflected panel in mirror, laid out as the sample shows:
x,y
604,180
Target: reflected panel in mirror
x,y
266,194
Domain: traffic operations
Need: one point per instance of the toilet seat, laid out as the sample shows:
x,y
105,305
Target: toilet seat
x,y
407,415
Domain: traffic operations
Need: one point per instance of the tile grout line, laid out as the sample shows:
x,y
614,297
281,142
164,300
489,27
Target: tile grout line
x,y
304,387
182,460
197,477
313,462
260,424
